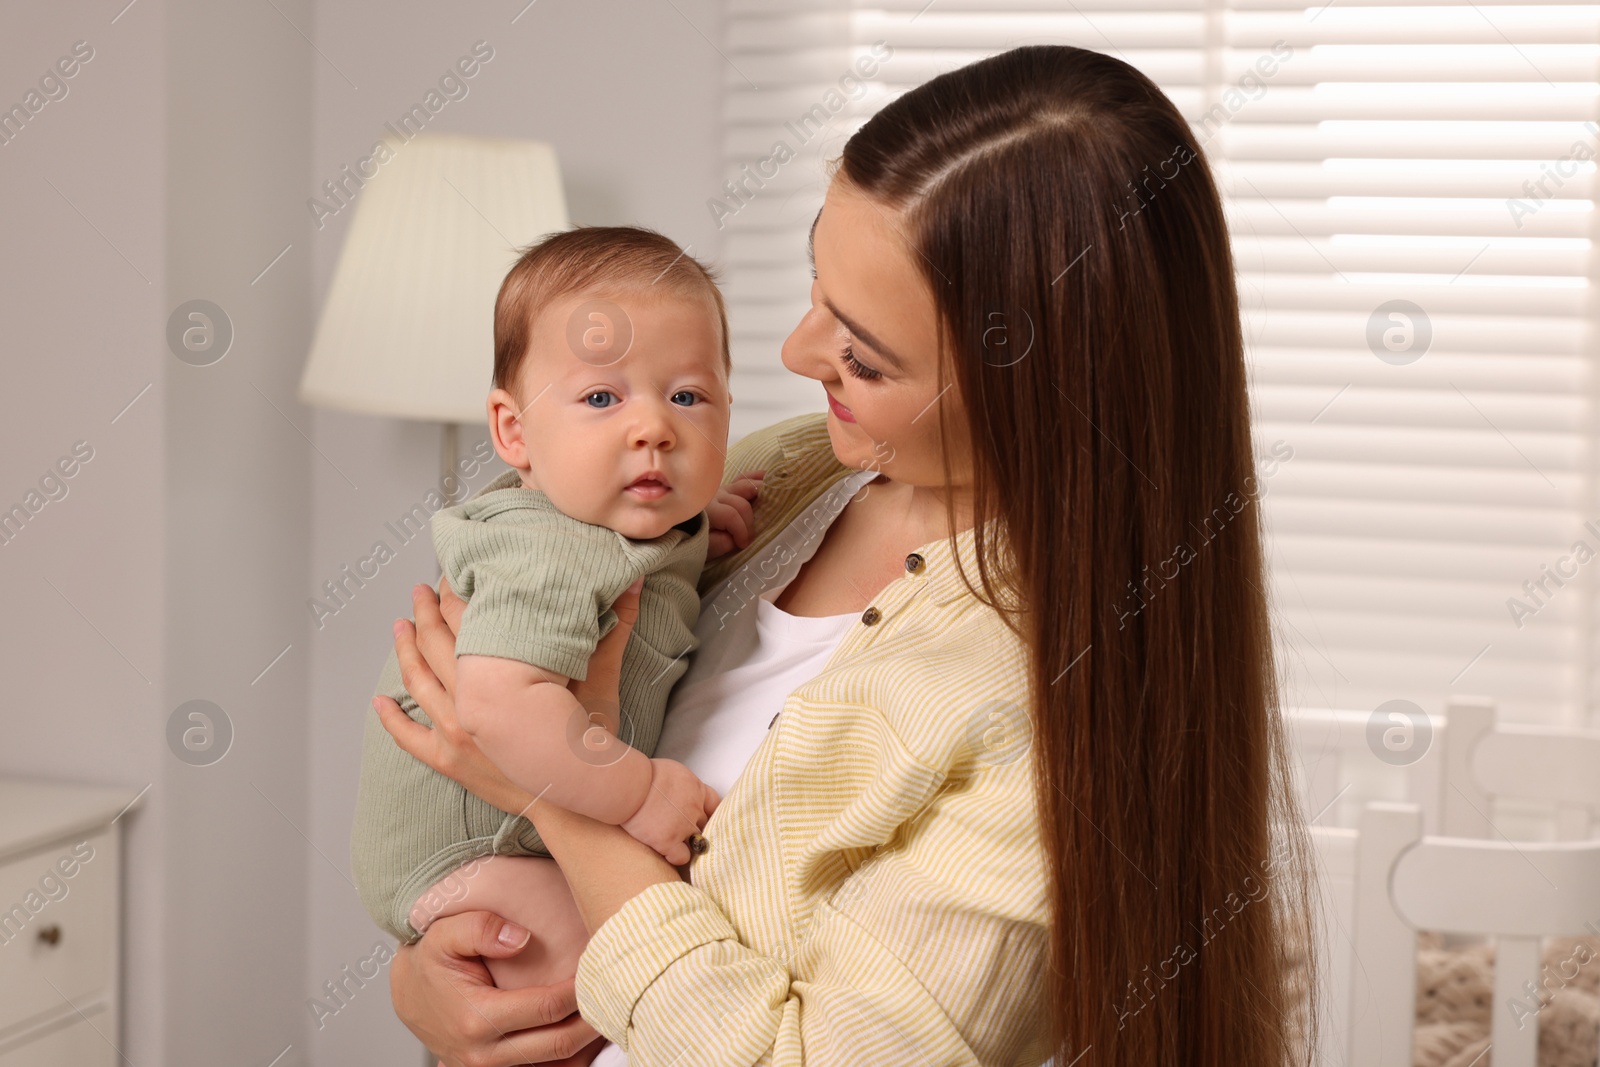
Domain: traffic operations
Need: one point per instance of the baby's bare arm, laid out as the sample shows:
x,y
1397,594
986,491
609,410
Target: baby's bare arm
x,y
530,725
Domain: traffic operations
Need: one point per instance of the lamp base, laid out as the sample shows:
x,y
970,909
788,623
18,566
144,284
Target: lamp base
x,y
450,452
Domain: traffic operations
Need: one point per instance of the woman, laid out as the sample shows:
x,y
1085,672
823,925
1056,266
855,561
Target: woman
x,y
1035,801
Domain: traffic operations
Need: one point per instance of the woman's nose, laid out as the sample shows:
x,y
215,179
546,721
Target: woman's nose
x,y
805,350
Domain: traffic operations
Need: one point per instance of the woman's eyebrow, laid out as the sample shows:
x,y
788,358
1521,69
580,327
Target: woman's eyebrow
x,y
862,335
850,324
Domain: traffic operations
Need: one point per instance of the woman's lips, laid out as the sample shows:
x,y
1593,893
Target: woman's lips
x,y
839,409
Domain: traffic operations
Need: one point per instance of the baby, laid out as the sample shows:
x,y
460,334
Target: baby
x,y
611,405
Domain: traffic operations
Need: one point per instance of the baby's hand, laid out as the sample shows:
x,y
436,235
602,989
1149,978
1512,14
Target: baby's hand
x,y
731,515
678,805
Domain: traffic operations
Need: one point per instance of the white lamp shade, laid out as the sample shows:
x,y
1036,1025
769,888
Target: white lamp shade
x,y
408,329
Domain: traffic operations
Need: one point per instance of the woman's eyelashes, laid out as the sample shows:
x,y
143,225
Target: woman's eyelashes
x,y
856,367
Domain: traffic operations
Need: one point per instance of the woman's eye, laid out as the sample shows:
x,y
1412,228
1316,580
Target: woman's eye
x,y
693,397
600,392
856,367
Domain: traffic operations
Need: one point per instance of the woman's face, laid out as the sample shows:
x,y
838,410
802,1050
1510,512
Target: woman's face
x,y
871,339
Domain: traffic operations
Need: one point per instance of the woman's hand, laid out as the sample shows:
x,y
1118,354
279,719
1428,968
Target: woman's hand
x,y
444,994
427,653
604,865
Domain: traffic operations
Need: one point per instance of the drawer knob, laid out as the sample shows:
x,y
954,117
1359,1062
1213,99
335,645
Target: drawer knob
x,y
50,935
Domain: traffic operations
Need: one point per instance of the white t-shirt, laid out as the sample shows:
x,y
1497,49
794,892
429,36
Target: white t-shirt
x,y
749,661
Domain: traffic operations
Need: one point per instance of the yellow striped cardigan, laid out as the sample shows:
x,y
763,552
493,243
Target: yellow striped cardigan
x,y
874,890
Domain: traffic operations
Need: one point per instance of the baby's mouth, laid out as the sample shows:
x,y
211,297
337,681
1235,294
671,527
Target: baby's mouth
x,y
649,486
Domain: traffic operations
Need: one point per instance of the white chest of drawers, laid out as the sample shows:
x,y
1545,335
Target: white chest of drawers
x,y
60,923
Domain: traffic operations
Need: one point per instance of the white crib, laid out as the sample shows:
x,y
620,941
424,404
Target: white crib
x,y
1435,858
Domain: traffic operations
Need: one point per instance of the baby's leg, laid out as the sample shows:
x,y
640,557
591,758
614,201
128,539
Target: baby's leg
x,y
531,892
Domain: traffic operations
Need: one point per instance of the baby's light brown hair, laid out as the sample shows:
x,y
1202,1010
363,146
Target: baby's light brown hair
x,y
601,259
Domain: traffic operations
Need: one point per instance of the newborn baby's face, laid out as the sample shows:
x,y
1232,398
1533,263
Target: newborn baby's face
x,y
625,409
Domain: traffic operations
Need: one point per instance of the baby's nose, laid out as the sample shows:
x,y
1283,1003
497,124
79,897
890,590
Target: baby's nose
x,y
654,427
654,433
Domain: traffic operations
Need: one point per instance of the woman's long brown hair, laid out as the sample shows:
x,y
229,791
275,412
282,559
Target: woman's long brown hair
x,y
1071,232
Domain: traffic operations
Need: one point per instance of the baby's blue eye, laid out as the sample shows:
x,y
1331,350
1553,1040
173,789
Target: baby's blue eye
x,y
684,392
600,392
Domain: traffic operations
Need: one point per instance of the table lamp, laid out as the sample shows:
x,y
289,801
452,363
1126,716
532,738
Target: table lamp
x,y
408,328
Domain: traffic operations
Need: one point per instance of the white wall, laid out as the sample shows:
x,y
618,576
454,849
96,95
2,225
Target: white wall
x,y
237,515
82,311
629,93
172,569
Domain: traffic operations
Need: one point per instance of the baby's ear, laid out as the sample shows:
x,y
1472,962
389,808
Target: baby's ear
x,y
505,429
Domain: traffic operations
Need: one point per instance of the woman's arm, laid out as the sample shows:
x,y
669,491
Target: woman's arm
x,y
929,952
604,866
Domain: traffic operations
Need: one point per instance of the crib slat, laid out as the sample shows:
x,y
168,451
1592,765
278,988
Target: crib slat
x,y
1336,863
1383,983
1463,801
1515,1040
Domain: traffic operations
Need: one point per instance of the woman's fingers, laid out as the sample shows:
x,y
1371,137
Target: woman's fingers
x,y
446,747
627,603
711,801
572,1033
450,605
480,933
435,639
413,738
607,658
598,693
445,995
419,678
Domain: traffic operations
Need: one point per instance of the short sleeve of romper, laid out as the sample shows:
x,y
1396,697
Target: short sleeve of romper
x,y
538,583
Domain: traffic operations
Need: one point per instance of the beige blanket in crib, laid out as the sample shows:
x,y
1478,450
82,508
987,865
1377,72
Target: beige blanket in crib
x,y
1455,993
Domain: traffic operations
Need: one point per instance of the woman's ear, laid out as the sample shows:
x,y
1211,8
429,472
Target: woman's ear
x,y
505,429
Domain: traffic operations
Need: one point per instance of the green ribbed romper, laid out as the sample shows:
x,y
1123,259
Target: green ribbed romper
x,y
539,586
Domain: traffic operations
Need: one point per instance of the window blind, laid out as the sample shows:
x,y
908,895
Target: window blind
x,y
1410,189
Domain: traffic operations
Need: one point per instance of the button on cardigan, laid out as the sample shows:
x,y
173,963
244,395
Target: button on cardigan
x,y
874,891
